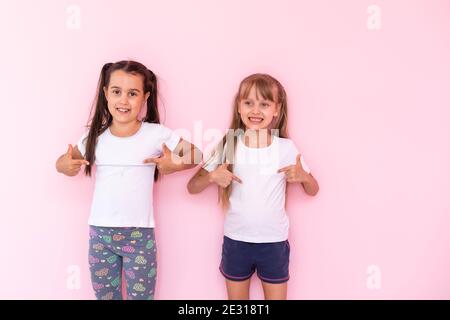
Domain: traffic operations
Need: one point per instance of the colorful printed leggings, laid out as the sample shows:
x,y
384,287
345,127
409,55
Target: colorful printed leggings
x,y
130,249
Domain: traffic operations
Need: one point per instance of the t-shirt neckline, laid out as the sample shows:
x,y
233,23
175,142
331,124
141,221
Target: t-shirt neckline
x,y
127,137
256,149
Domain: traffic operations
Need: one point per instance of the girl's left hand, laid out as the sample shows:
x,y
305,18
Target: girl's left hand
x,y
168,162
295,173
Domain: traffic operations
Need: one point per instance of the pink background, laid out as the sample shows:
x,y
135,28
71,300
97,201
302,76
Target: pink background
x,y
369,110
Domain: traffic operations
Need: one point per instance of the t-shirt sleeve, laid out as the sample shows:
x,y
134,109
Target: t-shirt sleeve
x,y
293,152
81,144
213,161
304,165
169,137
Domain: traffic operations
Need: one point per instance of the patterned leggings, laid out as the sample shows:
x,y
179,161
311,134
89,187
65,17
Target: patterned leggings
x,y
114,252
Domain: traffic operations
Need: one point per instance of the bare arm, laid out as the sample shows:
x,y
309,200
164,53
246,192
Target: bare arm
x,y
221,176
190,155
310,185
199,181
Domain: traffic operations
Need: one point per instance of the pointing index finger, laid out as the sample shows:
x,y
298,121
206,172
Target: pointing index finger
x,y
235,178
152,160
81,162
284,169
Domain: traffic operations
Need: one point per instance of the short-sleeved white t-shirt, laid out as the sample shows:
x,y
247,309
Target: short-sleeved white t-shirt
x,y
123,193
256,210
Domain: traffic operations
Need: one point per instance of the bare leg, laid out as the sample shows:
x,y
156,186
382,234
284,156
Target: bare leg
x,y
274,291
238,290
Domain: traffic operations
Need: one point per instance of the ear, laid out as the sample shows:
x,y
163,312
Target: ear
x,y
146,96
105,91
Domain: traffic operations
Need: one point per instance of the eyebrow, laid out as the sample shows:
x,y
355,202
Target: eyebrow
x,y
262,100
115,87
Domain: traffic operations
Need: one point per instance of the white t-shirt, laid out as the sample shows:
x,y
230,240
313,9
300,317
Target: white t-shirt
x,y
257,206
123,194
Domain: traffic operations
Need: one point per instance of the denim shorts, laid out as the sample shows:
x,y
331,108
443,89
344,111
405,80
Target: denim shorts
x,y
240,260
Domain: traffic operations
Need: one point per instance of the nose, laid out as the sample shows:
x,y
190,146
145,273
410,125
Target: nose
x,y
255,109
123,99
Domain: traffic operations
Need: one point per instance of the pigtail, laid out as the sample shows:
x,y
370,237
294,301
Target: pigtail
x,y
152,115
100,121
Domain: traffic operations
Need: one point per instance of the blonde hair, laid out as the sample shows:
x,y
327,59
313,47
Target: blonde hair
x,y
226,148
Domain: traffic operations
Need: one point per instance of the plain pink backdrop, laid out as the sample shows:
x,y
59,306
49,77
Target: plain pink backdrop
x,y
369,110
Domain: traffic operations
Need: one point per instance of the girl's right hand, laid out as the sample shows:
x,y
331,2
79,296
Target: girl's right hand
x,y
222,176
68,165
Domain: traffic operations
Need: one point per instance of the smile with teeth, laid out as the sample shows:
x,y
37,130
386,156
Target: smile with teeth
x,y
255,119
123,110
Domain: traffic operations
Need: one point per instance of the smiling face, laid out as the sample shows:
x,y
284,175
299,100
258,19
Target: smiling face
x,y
257,112
125,95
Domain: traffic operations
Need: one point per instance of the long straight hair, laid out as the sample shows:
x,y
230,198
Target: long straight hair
x,y
102,118
226,148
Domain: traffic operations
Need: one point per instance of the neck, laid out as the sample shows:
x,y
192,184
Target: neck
x,y
126,129
257,138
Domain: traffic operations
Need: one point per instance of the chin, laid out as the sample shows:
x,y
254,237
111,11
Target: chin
x,y
121,119
255,127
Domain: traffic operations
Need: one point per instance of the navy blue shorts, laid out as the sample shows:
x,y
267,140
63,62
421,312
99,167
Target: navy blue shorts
x,y
240,260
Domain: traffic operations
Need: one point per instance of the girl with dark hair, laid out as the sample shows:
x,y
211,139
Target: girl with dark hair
x,y
129,150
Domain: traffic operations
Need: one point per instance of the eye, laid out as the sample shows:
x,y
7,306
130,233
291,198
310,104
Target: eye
x,y
265,104
116,92
133,94
247,103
